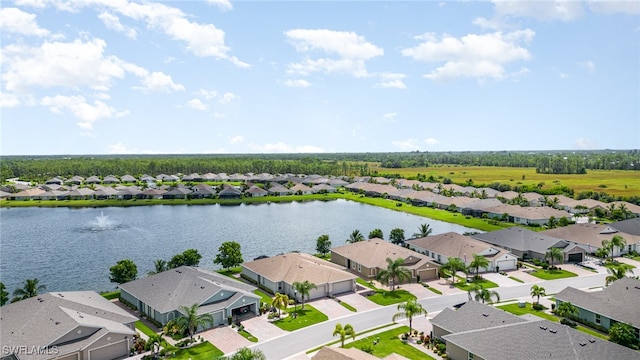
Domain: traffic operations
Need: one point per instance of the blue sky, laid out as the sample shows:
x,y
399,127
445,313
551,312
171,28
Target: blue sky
x,y
217,76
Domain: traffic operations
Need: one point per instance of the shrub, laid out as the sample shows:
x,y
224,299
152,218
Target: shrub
x,y
538,307
568,322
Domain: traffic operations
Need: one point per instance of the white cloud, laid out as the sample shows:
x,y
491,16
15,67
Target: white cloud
x,y
197,104
589,65
351,50
222,4
391,80
207,94
431,141
113,22
159,82
585,144
81,109
474,55
14,20
236,140
613,7
8,100
547,10
281,147
228,98
389,117
406,145
299,83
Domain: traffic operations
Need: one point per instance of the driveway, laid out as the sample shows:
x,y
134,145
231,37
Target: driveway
x,y
443,286
262,329
330,307
226,339
636,271
418,290
361,303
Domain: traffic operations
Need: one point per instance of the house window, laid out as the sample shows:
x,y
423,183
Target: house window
x,y
470,356
359,268
598,319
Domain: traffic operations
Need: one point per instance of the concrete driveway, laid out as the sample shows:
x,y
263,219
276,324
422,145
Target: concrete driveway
x,y
226,339
418,290
444,286
262,329
361,303
330,307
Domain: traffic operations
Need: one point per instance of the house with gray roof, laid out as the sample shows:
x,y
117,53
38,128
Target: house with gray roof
x,y
323,188
592,235
128,179
618,302
453,245
75,180
93,180
66,325
278,273
110,179
229,192
54,181
161,295
629,226
525,243
202,191
177,193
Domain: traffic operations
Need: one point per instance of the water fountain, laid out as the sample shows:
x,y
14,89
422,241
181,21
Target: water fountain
x,y
102,222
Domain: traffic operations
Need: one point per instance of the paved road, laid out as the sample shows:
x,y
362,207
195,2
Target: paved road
x,y
313,336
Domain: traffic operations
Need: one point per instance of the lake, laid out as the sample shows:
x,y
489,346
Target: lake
x,y
72,249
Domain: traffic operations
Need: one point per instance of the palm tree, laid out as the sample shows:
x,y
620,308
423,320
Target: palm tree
x,y
191,320
248,354
356,236
618,272
303,288
30,288
160,266
608,246
280,301
619,242
423,231
552,222
478,262
344,332
485,294
411,308
567,310
554,253
394,271
537,291
454,265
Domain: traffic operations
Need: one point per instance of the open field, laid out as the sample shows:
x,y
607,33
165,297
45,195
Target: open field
x,y
612,182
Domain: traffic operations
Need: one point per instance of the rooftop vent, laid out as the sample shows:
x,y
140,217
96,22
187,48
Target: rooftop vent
x,y
485,314
57,322
592,340
543,327
553,331
583,344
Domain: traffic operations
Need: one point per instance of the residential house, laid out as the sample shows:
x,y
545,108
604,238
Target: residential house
x,y
526,215
177,193
279,273
591,236
54,195
277,189
104,193
66,325
229,192
618,302
154,193
128,179
338,353
75,180
28,194
93,180
161,295
323,188
194,177
256,191
53,181
202,191
633,208
81,194
453,245
367,258
301,189
110,179
525,243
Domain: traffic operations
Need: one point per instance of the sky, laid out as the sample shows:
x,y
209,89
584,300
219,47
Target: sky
x,y
220,76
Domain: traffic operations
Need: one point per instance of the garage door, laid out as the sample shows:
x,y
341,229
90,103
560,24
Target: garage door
x,y
318,293
109,352
342,287
575,257
507,264
428,274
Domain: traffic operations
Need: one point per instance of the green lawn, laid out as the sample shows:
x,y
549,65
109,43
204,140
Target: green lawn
x,y
434,290
486,284
515,279
248,336
365,284
384,297
592,332
266,298
143,328
204,351
230,272
552,274
110,295
349,307
390,343
514,309
306,317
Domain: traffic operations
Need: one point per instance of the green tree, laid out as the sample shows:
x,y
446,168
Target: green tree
x,y
454,265
619,242
356,236
248,354
344,332
323,244
617,272
190,257
423,231
394,271
552,222
4,295
485,295
303,288
537,292
397,236
554,253
567,310
30,288
409,309
159,266
190,320
376,233
478,262
229,255
623,334
123,271
280,302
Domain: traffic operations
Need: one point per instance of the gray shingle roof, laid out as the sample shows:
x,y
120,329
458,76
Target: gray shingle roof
x,y
521,239
630,226
471,316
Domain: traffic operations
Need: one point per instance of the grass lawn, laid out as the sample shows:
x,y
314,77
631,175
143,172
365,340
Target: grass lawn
x,y
384,297
143,328
306,317
515,279
434,290
615,264
204,351
552,274
230,272
248,336
349,307
266,298
110,295
390,343
365,284
592,332
514,309
486,284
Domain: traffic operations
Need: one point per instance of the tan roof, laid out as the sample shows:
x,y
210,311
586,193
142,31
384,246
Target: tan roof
x,y
452,244
590,234
373,253
294,267
531,213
